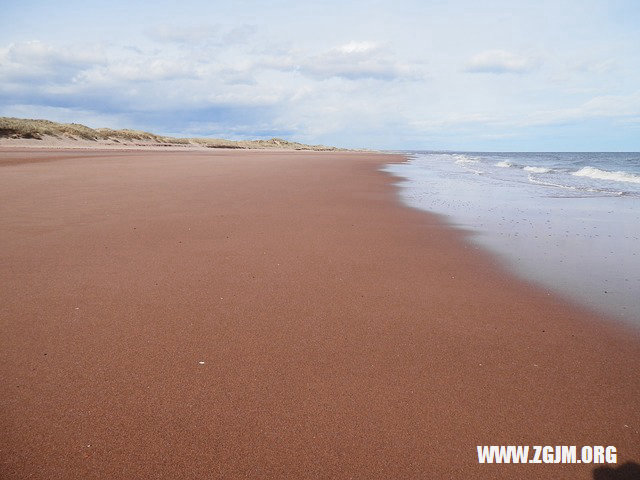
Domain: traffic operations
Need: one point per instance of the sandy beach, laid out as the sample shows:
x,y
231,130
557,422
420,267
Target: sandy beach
x,y
252,314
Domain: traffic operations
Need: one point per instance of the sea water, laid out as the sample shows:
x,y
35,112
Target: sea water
x,y
567,221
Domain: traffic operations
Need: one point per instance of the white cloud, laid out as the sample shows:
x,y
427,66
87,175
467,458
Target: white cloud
x,y
501,125
598,66
357,47
182,34
604,106
203,33
350,61
37,60
356,60
138,70
499,61
455,120
38,53
614,105
239,35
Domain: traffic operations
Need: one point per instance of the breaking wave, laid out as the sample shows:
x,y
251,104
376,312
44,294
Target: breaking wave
x,y
504,164
462,159
598,174
537,169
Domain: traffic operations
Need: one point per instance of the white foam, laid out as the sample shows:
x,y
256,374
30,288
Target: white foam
x,y
569,187
537,169
462,159
598,174
503,164
550,184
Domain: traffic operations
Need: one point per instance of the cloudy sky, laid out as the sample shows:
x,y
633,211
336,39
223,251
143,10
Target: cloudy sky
x,y
491,75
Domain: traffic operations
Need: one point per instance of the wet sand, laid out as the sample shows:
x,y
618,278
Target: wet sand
x,y
235,314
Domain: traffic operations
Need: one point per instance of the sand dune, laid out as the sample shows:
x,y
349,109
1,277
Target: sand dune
x,y
31,133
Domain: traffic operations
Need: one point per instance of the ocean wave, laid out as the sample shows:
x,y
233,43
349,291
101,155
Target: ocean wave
x,y
598,174
536,169
580,189
462,159
506,164
503,164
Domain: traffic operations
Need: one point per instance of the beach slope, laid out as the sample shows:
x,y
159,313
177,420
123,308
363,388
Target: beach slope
x,y
252,314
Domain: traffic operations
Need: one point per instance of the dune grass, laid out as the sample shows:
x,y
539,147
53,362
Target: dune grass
x,y
18,128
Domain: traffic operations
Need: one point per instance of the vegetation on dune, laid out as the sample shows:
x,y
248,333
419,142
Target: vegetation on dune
x,y
18,128
129,135
27,128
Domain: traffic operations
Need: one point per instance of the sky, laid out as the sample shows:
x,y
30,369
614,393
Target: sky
x,y
401,75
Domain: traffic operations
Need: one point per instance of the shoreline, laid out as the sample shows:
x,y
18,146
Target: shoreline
x,y
581,245
353,335
503,264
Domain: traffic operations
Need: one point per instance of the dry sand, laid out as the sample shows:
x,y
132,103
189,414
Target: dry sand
x,y
236,314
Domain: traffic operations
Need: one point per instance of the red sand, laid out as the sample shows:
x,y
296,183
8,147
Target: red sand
x,y
342,335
